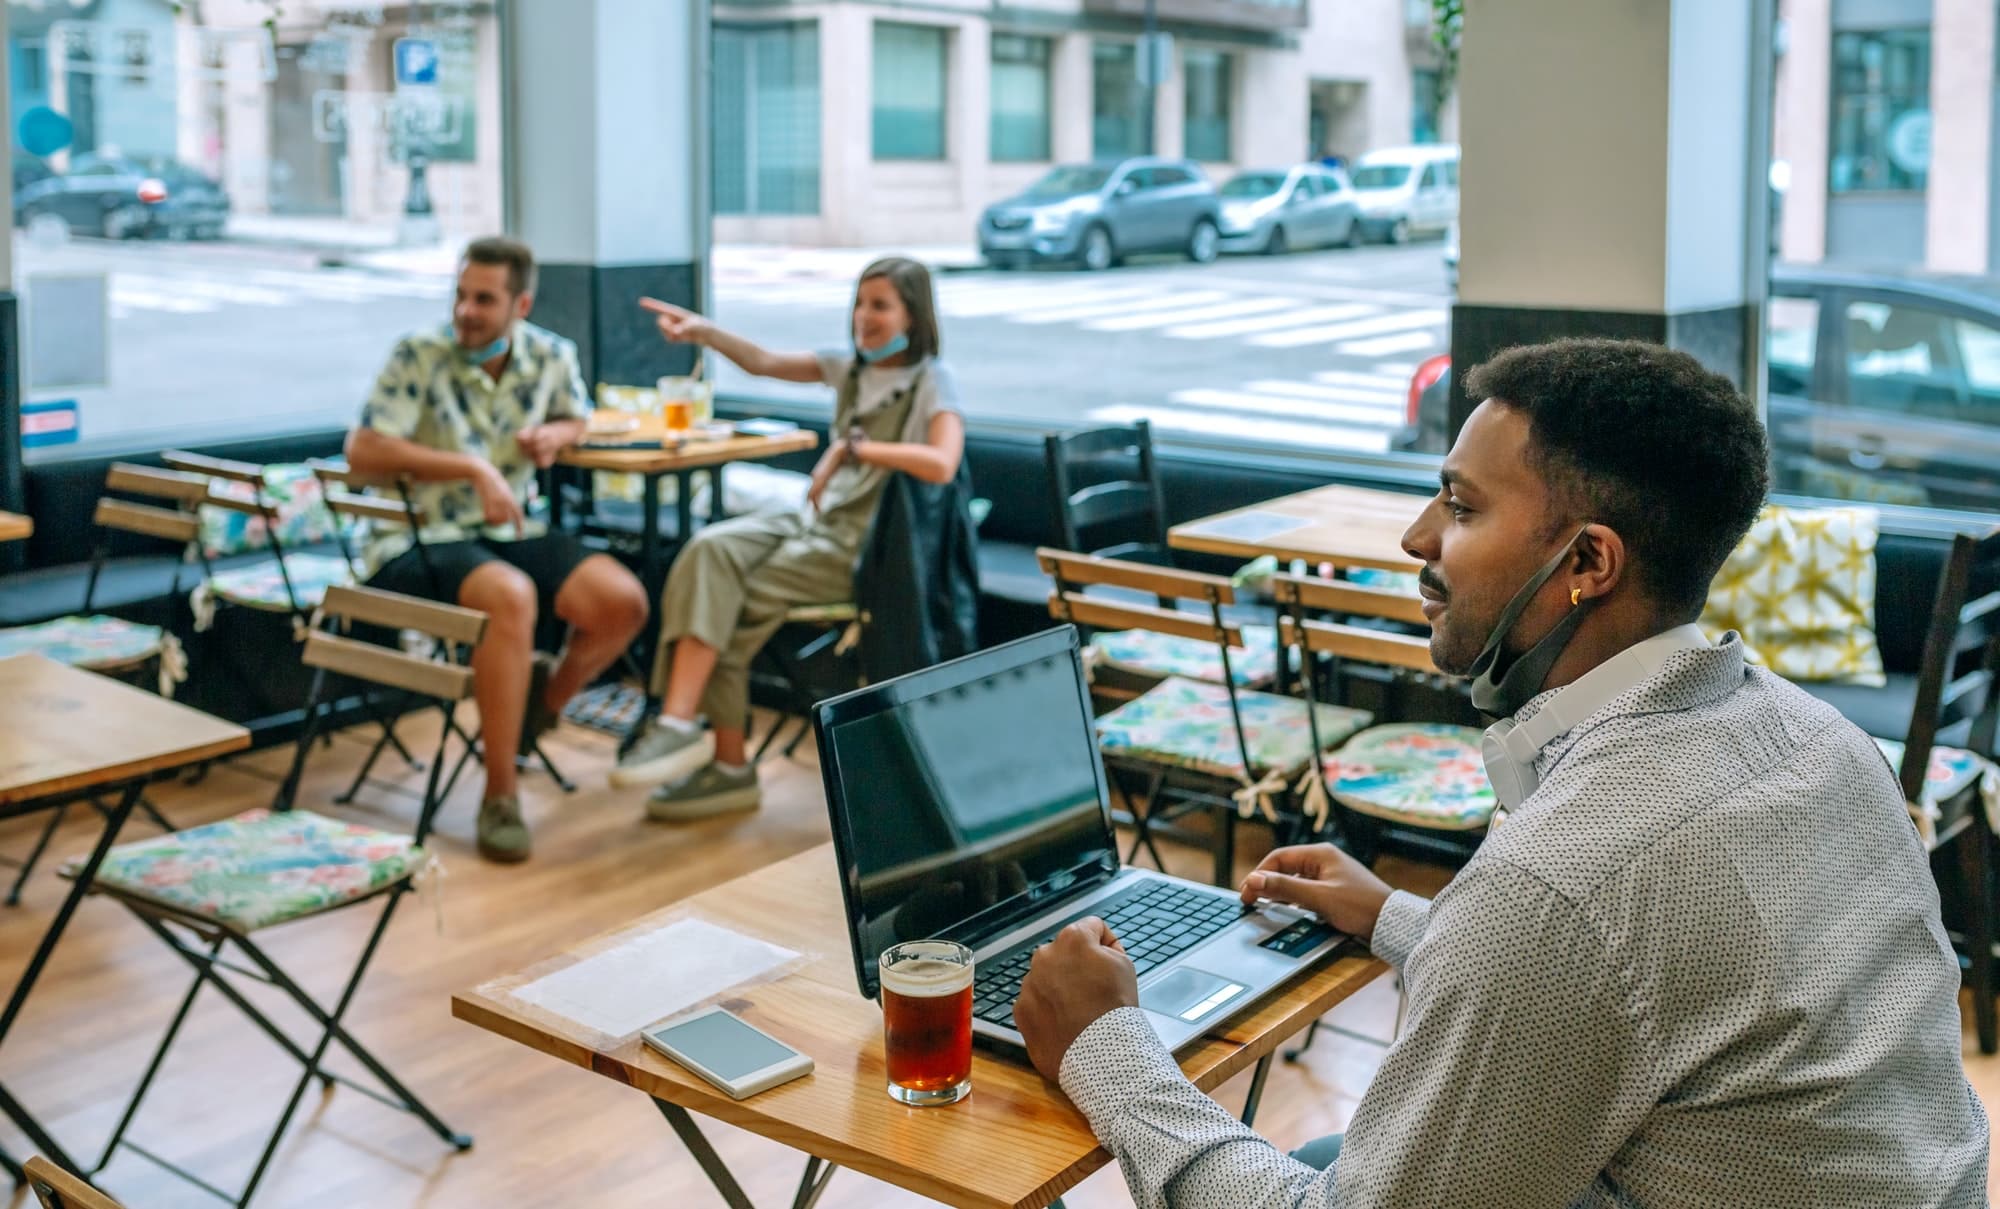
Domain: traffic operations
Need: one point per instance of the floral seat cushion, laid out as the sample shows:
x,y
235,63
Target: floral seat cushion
x,y
260,868
1421,774
1953,770
1185,724
98,643
1163,655
262,586
293,493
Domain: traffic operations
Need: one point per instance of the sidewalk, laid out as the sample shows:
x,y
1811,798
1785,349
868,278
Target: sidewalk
x,y
374,246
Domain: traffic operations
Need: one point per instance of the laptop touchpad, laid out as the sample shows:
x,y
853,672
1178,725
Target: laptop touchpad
x,y
1189,994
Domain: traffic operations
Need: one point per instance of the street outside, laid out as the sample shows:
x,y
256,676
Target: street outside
x,y
1310,351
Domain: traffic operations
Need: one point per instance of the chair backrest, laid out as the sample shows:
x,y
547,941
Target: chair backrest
x,y
174,519
450,625
1957,703
1297,596
1106,482
340,489
58,1189
1074,572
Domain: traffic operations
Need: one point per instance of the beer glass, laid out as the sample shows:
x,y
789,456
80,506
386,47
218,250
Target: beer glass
x,y
927,1021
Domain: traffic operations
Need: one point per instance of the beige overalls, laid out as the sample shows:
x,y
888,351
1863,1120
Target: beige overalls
x,y
732,584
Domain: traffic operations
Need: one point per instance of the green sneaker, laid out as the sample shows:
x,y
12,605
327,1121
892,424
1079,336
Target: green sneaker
x,y
662,755
710,791
538,719
503,836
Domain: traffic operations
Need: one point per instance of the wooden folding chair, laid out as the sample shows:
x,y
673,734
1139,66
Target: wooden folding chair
x,y
1189,742
389,502
113,646
58,1189
289,582
210,890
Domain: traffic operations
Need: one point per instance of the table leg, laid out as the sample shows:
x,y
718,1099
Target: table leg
x,y
811,1184
684,504
114,822
1256,1095
649,534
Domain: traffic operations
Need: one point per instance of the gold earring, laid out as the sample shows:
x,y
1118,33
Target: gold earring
x,y
1575,597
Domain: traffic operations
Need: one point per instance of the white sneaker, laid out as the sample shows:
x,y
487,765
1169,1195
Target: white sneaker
x,y
663,754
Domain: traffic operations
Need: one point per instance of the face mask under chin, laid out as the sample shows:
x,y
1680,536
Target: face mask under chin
x,y
882,352
1500,692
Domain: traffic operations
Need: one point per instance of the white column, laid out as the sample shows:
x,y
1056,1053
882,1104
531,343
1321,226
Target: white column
x,y
1960,182
1070,98
1170,107
969,130
1801,125
1270,108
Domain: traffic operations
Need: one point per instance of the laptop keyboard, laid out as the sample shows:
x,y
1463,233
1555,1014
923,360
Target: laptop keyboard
x,y
1155,921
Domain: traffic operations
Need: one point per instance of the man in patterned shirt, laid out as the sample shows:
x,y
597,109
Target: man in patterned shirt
x,y
467,413
1699,964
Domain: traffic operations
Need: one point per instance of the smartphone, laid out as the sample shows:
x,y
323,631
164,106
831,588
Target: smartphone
x,y
765,428
737,1057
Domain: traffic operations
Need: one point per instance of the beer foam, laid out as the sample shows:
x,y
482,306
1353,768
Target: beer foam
x,y
924,978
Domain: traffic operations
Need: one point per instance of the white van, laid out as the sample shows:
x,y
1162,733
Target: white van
x,y
1404,191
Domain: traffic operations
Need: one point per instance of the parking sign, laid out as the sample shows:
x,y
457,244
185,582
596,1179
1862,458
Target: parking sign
x,y
416,62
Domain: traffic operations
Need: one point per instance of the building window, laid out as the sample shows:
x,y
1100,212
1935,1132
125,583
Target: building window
x,y
1423,105
1881,138
767,141
1117,124
1020,98
909,91
1208,93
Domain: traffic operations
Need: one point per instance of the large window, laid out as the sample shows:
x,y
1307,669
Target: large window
x,y
228,220
1020,98
909,91
1881,111
1424,124
767,118
1117,118
1207,86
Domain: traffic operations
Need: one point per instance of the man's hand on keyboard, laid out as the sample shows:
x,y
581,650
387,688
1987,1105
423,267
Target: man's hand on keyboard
x,y
1080,975
1324,880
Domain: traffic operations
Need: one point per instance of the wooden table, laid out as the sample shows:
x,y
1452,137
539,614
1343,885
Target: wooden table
x,y
1016,1141
14,527
680,459
64,732
1345,526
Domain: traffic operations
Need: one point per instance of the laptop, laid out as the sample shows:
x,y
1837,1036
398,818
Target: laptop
x,y
969,803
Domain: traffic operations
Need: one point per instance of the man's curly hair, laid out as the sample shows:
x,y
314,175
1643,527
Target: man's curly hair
x,y
1643,439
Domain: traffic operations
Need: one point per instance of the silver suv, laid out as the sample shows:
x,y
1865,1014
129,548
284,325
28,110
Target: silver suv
x,y
1096,214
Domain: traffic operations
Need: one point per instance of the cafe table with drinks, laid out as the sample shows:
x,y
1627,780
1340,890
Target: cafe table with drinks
x,y
896,1091
639,436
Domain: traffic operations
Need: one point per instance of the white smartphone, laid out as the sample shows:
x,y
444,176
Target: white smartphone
x,y
737,1057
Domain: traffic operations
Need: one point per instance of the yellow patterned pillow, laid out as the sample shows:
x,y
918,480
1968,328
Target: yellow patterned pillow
x,y
1800,589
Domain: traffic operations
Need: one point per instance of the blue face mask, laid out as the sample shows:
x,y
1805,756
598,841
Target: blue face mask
x,y
480,356
898,343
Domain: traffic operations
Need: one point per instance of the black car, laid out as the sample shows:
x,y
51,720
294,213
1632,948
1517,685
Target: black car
x,y
119,197
1884,389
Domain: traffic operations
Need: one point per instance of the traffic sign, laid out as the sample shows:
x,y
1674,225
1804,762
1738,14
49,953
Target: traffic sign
x,y
416,62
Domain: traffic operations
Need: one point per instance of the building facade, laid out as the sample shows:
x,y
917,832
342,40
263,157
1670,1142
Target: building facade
x,y
1884,136
853,124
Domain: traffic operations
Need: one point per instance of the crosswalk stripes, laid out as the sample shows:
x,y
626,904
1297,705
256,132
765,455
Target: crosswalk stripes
x,y
1345,322
204,293
1339,410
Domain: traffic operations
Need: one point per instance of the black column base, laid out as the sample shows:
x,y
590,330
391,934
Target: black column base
x,y
598,307
1718,338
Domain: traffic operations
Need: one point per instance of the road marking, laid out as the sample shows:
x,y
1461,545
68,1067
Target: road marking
x,y
1200,314
1276,432
1327,334
1267,323
1163,302
1283,405
1408,342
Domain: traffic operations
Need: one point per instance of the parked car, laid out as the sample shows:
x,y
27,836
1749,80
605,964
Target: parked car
x,y
1275,210
1881,388
1406,191
1094,215
118,197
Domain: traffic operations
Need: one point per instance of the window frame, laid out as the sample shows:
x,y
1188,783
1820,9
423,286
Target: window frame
x,y
1046,66
943,34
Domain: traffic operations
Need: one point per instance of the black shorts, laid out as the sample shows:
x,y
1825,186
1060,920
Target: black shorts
x,y
547,560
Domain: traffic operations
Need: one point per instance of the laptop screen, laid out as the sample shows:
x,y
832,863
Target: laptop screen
x,y
965,796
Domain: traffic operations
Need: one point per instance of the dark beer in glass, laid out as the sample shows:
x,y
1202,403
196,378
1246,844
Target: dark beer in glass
x,y
927,1021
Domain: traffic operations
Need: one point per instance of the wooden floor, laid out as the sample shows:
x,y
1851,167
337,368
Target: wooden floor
x,y
546,1133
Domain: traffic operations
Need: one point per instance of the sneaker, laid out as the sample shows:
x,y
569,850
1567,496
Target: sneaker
x,y
503,837
710,791
538,719
662,754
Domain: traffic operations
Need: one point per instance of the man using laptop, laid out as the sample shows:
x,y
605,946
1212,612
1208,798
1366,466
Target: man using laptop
x,y
1699,963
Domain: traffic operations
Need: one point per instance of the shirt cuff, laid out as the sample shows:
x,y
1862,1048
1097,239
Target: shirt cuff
x,y
1117,1057
1400,926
